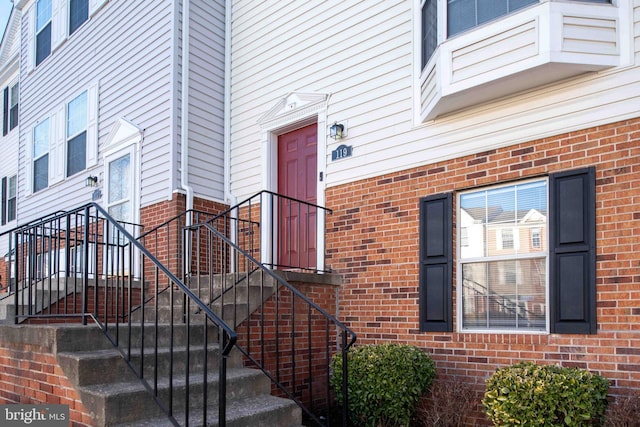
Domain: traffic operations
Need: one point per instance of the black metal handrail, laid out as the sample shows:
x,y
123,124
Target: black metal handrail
x,y
115,273
280,330
288,239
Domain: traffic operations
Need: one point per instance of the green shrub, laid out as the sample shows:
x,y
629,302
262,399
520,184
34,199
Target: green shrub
x,y
530,395
385,383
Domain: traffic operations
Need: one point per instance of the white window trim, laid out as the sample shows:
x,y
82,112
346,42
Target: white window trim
x,y
531,255
58,140
59,26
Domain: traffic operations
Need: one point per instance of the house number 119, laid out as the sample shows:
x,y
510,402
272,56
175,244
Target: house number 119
x,y
341,152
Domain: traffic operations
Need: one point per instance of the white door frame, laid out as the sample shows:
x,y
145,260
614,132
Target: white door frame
x,y
125,139
292,112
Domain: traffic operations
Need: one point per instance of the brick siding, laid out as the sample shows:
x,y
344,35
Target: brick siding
x,y
373,239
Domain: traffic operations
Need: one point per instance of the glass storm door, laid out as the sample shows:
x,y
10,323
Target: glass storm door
x,y
120,205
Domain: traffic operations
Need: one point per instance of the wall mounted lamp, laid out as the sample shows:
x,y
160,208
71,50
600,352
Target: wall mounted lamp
x,y
91,181
336,131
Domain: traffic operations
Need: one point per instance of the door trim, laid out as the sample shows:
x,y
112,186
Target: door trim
x,y
292,112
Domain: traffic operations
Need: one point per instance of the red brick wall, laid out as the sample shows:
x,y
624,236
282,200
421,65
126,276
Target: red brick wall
x,y
286,325
373,239
32,375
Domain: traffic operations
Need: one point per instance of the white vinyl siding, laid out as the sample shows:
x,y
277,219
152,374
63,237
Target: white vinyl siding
x,y
206,100
135,82
367,67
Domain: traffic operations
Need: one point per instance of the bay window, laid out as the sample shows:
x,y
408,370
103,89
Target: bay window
x,y
469,52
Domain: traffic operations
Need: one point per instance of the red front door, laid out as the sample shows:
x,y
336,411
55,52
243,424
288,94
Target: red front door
x,y
297,174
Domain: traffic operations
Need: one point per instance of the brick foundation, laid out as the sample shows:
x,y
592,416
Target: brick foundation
x,y
373,239
32,375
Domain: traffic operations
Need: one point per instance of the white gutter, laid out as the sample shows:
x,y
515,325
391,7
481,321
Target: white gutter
x,y
228,195
184,124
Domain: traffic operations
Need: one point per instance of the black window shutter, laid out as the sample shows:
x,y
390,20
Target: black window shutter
x,y
5,112
572,257
436,263
4,201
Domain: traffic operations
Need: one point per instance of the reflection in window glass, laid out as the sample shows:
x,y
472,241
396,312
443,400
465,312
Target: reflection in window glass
x,y
503,282
119,178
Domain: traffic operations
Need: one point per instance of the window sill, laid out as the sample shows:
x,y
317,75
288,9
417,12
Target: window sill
x,y
542,44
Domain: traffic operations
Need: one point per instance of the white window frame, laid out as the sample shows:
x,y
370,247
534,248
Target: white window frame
x,y
13,88
58,140
14,197
498,257
71,136
59,26
37,30
32,182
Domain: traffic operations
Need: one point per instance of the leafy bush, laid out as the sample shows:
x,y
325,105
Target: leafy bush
x,y
530,395
448,404
385,383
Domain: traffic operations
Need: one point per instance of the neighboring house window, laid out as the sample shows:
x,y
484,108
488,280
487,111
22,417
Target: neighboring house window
x,y
41,156
77,134
10,108
507,238
43,30
535,238
8,199
522,289
464,237
78,14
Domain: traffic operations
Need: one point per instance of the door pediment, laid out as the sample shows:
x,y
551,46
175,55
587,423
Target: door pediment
x,y
294,107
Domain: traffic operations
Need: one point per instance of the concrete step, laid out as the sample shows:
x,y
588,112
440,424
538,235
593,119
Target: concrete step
x,y
80,366
163,334
125,402
259,411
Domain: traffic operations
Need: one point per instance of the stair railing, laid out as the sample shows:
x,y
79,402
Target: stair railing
x,y
284,233
283,332
98,270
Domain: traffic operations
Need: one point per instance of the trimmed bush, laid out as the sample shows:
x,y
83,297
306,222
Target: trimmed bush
x,y
526,394
385,383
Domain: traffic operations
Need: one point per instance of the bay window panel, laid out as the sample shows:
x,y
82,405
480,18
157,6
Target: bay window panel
x,y
461,15
490,9
429,29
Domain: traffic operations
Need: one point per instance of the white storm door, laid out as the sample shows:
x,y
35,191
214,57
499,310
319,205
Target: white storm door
x,y
121,199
